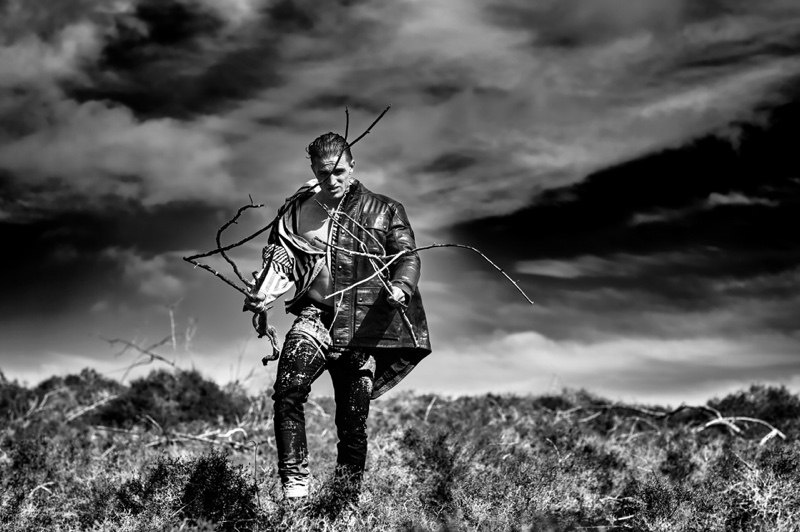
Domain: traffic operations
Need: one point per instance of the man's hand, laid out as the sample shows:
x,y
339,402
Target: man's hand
x,y
255,303
396,298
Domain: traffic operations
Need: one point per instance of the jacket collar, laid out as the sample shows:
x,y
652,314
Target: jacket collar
x,y
357,189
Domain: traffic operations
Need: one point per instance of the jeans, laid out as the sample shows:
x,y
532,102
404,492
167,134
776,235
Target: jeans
x,y
305,355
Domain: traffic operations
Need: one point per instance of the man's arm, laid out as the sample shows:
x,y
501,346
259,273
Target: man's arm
x,y
277,281
405,272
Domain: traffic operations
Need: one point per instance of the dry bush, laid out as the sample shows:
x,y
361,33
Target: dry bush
x,y
558,462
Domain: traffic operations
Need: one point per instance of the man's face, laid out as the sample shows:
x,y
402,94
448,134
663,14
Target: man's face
x,y
333,181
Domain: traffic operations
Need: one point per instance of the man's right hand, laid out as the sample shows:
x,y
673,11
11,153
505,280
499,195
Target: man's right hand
x,y
255,303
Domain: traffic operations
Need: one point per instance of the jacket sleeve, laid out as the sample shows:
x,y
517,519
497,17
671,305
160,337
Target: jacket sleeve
x,y
278,280
400,237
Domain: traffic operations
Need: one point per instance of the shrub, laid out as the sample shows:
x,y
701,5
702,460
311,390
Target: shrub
x,y
217,492
204,489
774,404
15,400
171,398
433,460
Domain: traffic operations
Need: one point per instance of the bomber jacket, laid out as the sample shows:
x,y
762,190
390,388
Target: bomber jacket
x,y
368,223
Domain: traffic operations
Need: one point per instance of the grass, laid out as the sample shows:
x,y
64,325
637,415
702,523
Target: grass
x,y
548,463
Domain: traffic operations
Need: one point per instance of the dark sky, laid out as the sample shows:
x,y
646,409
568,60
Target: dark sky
x,y
631,162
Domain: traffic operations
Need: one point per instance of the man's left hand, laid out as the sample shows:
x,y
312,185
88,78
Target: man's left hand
x,y
397,298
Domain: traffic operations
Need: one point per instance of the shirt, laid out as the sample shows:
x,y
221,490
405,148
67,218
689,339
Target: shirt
x,y
292,259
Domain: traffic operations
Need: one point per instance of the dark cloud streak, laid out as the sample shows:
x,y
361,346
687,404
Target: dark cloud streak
x,y
176,59
597,211
130,128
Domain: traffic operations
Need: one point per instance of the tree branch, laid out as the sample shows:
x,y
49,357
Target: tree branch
x,y
143,352
369,129
228,224
719,418
216,273
89,408
304,192
290,201
396,256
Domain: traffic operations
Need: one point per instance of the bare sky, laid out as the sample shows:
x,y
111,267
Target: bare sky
x,y
630,161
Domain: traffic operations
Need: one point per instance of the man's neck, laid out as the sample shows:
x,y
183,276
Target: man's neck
x,y
329,203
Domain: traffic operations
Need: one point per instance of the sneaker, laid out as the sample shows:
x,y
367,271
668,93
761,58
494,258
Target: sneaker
x,y
295,491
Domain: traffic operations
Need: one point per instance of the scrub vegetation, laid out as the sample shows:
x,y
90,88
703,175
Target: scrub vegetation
x,y
174,451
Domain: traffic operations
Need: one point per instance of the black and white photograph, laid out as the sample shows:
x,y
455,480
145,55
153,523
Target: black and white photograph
x,y
400,265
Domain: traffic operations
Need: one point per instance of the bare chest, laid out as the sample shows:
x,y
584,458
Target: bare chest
x,y
313,224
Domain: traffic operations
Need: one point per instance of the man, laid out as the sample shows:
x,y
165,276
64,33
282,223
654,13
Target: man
x,y
332,234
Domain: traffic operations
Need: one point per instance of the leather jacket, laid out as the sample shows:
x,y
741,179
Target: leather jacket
x,y
365,318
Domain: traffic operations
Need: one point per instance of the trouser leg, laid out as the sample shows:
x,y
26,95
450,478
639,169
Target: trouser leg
x,y
352,375
301,363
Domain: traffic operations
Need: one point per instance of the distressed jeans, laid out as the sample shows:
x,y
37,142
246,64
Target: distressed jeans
x,y
306,354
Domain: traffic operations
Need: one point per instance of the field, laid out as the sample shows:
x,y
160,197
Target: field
x,y
174,451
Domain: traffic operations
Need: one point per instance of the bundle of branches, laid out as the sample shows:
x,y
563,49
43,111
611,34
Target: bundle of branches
x,y
380,263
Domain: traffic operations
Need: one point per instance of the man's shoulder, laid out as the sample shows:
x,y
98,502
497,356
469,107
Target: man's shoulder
x,y
308,189
378,200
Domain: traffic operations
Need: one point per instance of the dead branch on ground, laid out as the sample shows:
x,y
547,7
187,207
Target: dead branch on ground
x,y
730,422
213,437
85,410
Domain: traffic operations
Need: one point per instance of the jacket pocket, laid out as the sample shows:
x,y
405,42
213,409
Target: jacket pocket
x,y
374,229
374,318
376,221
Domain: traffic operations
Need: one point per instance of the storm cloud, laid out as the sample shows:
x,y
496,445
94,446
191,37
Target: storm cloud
x,y
629,160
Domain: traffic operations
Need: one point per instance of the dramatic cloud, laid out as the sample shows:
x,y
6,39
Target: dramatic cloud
x,y
649,369
481,125
131,129
63,154
151,276
32,61
233,91
100,151
235,12
714,200
615,265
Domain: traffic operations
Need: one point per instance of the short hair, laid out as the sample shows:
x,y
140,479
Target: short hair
x,y
328,145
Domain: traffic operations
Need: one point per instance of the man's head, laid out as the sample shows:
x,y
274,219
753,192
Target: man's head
x,y
327,146
324,152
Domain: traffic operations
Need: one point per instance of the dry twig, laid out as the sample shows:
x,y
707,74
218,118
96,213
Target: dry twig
x,y
428,410
364,248
395,257
228,224
89,408
37,406
220,249
41,487
301,195
144,352
718,418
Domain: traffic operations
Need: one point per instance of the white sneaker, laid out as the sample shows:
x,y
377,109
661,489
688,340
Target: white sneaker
x,y
295,491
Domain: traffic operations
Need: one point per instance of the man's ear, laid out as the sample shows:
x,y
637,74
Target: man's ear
x,y
352,164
